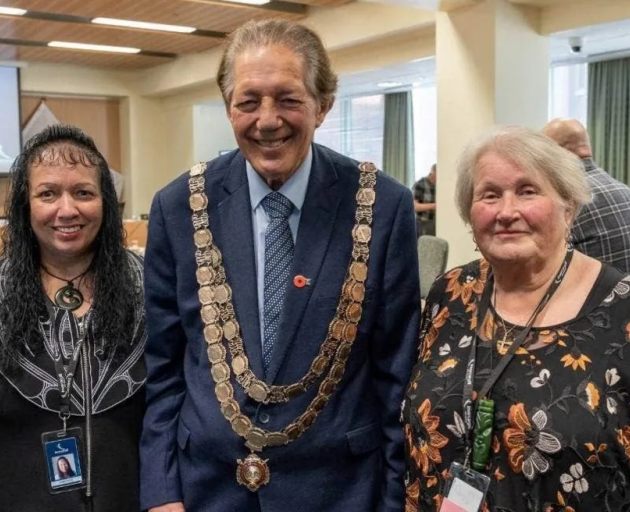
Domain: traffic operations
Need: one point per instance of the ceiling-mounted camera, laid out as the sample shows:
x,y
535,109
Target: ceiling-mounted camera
x,y
575,43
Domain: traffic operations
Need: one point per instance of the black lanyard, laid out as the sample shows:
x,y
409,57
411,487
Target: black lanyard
x,y
65,372
469,379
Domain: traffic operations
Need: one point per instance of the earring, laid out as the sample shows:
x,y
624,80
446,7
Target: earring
x,y
476,246
569,242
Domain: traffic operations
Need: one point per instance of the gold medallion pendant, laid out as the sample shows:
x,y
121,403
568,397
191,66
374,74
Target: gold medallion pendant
x,y
252,472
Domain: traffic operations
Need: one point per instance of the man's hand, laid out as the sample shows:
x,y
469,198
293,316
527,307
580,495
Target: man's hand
x,y
169,507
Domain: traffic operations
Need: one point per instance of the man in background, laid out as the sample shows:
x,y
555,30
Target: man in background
x,y
424,203
602,229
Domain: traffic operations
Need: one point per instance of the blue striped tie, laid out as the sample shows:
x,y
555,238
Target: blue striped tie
x,y
278,259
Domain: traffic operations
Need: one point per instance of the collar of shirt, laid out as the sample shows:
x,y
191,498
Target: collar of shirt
x,y
293,189
589,164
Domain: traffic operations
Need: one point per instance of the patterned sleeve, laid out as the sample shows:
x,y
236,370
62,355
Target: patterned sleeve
x,y
432,306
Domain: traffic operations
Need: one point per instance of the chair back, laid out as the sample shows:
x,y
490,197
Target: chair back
x,y
432,256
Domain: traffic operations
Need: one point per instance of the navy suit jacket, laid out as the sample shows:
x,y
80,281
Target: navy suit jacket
x,y
351,459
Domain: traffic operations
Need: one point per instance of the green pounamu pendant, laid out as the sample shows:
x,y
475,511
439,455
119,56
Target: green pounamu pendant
x,y
483,434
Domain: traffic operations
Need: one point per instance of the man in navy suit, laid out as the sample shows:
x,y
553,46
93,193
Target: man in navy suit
x,y
282,305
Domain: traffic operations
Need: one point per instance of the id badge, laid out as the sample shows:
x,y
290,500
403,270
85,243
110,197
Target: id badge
x,y
63,456
466,490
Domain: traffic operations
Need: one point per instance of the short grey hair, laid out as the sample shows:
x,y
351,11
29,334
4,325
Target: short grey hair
x,y
319,78
531,151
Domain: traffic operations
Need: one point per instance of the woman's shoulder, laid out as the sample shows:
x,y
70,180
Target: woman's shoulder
x,y
465,281
136,262
614,285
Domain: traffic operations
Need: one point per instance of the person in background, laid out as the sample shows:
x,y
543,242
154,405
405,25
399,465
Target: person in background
x,y
535,326
424,203
602,228
282,302
72,331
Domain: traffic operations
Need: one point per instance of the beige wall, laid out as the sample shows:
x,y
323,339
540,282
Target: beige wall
x,y
143,150
42,78
178,141
382,52
100,118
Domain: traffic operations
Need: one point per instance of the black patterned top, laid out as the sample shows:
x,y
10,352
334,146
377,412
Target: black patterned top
x,y
29,407
113,382
561,438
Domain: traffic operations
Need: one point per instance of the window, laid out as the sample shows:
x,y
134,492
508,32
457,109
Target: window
x,y
568,87
354,127
424,101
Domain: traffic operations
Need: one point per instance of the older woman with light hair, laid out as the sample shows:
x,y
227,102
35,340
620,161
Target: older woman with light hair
x,y
520,392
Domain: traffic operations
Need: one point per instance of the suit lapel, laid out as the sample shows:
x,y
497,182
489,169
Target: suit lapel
x,y
316,225
237,247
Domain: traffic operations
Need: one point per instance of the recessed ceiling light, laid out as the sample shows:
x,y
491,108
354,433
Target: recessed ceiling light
x,y
12,11
143,25
249,2
93,47
385,85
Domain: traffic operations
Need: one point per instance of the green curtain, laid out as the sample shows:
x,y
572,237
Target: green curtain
x,y
609,116
398,137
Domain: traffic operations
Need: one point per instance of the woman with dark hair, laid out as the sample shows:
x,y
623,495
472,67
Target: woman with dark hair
x,y
72,332
64,469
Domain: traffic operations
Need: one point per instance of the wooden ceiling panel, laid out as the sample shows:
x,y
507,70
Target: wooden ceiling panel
x,y
38,30
201,15
79,58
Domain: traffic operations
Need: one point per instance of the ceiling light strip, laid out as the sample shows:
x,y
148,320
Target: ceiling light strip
x,y
69,18
113,22
93,47
12,11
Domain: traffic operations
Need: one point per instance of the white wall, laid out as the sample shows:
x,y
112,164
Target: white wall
x,y
212,131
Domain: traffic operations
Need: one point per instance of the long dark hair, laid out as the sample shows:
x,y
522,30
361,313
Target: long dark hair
x,y
115,290
69,472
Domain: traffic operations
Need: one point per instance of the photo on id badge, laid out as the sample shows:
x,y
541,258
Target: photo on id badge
x,y
64,467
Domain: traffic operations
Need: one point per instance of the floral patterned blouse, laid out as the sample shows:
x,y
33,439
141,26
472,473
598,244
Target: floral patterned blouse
x,y
561,438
